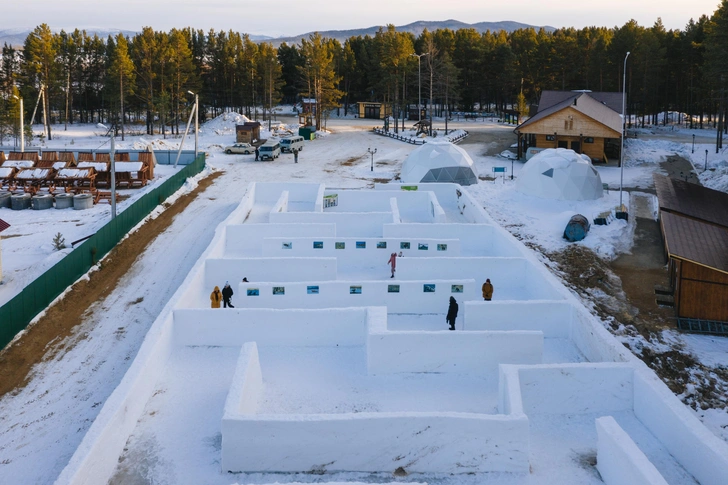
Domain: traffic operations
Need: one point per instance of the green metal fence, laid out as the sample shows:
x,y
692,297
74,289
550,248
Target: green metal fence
x,y
18,312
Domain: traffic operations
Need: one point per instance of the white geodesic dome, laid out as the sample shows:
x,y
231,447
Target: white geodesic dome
x,y
439,161
562,174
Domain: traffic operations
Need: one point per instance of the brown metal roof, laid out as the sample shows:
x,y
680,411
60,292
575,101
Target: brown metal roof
x,y
612,100
582,102
696,241
692,200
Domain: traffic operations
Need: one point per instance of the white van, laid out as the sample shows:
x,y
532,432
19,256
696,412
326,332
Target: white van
x,y
270,150
290,143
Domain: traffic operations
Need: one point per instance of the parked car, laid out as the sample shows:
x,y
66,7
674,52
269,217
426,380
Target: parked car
x,y
245,148
270,150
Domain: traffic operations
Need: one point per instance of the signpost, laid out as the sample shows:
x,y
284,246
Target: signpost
x,y
497,170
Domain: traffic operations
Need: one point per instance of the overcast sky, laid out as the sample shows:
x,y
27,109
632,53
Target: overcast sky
x,y
292,17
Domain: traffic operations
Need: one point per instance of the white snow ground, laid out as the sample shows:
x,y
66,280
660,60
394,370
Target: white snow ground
x,y
43,423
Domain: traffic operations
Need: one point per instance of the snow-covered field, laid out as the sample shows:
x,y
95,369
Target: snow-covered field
x,y
44,422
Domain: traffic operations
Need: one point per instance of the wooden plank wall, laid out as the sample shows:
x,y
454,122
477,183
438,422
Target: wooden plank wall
x,y
702,293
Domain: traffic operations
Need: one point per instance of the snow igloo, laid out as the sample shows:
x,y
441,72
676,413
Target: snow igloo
x,y
561,174
439,161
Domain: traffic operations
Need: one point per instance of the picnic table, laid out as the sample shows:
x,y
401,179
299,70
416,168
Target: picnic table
x,y
32,179
130,173
102,171
76,179
19,163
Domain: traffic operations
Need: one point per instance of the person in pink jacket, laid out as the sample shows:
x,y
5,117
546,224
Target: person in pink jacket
x,y
393,263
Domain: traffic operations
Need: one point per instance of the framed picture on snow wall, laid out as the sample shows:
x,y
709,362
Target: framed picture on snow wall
x,y
279,290
382,245
339,245
287,245
253,292
423,247
312,290
404,245
392,288
361,244
355,290
457,289
318,244
428,288
442,247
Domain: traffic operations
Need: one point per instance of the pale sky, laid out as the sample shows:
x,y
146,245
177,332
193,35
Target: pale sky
x,y
293,17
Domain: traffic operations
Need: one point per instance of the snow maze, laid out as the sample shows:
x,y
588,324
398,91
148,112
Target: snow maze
x,y
326,364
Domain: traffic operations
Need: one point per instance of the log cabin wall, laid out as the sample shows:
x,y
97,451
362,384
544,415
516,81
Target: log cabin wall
x,y
702,293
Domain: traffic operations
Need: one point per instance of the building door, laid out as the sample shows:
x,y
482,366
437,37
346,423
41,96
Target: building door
x,y
563,144
372,112
576,146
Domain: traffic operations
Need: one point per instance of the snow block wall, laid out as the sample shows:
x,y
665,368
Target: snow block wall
x,y
576,388
353,253
553,318
619,460
513,278
698,450
375,442
348,224
247,385
475,239
410,296
247,239
326,327
218,271
475,353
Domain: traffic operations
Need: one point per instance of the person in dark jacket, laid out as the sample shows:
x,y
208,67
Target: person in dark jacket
x,y
257,154
295,155
452,313
227,293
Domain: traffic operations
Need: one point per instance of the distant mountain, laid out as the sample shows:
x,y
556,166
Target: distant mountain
x,y
16,37
415,28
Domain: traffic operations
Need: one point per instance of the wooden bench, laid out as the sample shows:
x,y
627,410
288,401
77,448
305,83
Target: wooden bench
x,y
102,195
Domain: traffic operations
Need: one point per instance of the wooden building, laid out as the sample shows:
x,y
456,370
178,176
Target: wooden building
x,y
694,224
583,121
375,111
248,132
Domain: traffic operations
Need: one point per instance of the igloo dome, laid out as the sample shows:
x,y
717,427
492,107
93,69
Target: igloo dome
x,y
439,161
562,174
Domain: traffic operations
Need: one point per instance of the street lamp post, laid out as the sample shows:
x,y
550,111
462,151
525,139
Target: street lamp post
x,y
693,150
419,85
372,152
22,124
706,161
621,150
197,114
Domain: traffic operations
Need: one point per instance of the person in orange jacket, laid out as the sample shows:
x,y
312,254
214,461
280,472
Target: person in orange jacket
x,y
215,298
487,290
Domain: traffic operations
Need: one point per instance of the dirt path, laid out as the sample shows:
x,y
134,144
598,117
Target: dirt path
x,y
644,267
49,335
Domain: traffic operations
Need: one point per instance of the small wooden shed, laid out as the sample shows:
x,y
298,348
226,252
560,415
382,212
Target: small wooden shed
x,y
248,132
375,111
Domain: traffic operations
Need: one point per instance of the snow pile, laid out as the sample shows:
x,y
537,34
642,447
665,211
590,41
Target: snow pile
x,y
224,124
156,144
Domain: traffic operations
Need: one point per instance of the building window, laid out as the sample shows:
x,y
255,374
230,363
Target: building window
x,y
589,139
550,137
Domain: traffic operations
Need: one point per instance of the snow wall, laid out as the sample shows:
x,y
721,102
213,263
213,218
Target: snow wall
x,y
274,443
619,460
425,296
